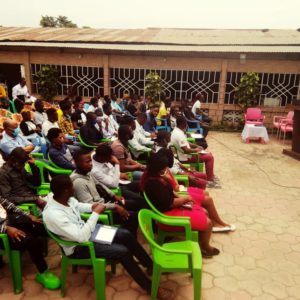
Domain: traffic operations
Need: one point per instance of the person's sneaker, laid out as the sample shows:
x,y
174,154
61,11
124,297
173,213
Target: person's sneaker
x,y
48,280
213,185
216,179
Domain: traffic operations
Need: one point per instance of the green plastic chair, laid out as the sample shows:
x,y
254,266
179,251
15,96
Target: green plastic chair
x,y
14,259
162,234
83,143
98,264
12,107
182,178
184,256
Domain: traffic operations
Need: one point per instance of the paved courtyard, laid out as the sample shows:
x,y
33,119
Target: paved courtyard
x,y
260,261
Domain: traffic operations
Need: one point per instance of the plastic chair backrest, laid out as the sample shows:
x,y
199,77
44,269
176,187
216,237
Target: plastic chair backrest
x,y
290,115
84,144
151,205
253,114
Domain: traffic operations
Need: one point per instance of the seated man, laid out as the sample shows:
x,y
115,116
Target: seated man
x,y
12,139
106,170
90,132
23,231
86,190
184,148
14,179
140,145
59,152
150,124
109,124
93,105
62,217
120,150
146,136
65,123
78,117
30,130
51,122
39,116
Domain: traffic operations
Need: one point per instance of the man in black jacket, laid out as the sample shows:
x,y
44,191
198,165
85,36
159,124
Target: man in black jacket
x,y
91,133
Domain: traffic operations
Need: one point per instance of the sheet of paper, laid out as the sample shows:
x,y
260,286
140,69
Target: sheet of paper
x,y
182,188
197,136
106,234
122,181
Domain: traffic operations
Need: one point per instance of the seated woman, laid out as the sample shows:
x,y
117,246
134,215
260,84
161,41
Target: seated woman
x,y
156,183
198,195
23,231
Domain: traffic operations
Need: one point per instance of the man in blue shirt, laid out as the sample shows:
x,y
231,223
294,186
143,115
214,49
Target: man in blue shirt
x,y
150,124
12,138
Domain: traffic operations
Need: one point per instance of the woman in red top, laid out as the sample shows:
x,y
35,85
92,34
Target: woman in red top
x,y
156,183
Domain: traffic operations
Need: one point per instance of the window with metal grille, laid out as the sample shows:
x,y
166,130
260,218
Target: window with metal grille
x,y
177,84
272,85
85,81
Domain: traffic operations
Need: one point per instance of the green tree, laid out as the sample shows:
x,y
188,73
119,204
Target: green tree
x,y
47,82
60,21
153,87
247,92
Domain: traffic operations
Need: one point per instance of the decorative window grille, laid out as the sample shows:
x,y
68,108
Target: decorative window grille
x,y
272,85
177,84
85,81
232,116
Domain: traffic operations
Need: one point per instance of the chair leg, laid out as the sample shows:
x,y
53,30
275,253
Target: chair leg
x,y
197,283
16,270
99,277
63,276
284,137
155,280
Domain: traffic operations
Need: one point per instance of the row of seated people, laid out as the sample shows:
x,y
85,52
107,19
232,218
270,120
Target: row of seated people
x,y
63,206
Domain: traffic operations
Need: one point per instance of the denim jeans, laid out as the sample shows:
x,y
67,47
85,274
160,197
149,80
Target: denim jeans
x,y
123,249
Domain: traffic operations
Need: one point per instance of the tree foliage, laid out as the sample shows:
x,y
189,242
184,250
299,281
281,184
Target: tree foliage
x,y
59,22
153,87
47,82
247,92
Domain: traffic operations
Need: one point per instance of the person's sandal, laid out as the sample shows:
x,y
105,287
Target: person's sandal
x,y
210,254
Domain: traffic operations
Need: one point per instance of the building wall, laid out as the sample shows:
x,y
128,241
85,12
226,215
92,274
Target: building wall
x,y
107,62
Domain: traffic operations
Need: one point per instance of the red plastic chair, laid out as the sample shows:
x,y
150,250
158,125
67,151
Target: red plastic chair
x,y
254,116
277,120
286,126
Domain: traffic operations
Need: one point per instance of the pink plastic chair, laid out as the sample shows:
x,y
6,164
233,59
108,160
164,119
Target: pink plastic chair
x,y
254,116
277,120
286,126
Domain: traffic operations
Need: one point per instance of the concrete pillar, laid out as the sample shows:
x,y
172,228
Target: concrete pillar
x,y
106,74
27,71
222,90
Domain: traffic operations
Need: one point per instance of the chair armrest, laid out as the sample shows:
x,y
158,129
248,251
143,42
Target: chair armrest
x,y
102,217
44,165
37,155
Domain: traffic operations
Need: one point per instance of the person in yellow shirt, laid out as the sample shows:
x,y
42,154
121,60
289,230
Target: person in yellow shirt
x,y
4,101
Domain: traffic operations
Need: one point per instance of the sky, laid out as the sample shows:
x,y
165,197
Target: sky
x,y
227,14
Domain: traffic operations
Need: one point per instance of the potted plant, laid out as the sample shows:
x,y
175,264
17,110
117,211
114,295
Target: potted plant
x,y
153,87
247,91
47,82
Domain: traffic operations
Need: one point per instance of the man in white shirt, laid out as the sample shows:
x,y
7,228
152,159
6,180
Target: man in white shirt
x,y
140,146
184,149
93,105
106,170
39,115
141,119
20,94
51,122
62,217
109,124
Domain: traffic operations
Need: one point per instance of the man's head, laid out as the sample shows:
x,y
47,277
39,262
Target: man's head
x,y
163,138
26,115
62,187
17,158
78,103
11,128
129,121
199,97
103,153
55,137
91,118
181,123
94,101
52,115
125,133
22,82
39,105
154,110
83,161
107,109
66,106
141,118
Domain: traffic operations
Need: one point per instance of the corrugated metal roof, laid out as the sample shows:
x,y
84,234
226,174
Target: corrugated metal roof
x,y
153,36
160,48
155,39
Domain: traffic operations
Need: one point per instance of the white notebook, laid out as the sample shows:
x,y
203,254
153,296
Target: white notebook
x,y
103,234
